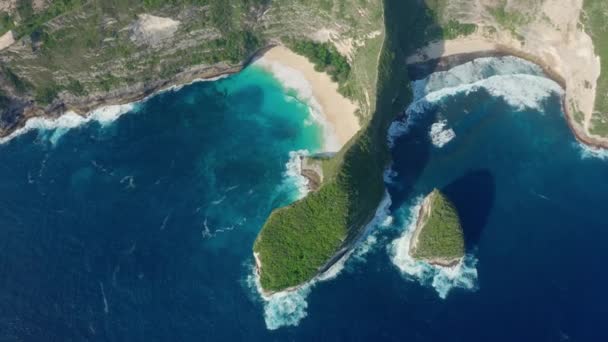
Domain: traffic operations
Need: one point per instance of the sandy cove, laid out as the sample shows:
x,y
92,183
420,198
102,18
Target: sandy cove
x,y
563,49
318,89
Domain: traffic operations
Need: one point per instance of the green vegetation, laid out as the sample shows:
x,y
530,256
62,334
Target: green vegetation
x,y
454,29
325,57
20,85
298,240
595,17
46,95
441,235
86,40
511,20
31,22
6,22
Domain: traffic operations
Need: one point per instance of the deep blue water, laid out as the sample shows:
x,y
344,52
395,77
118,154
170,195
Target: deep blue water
x,y
141,229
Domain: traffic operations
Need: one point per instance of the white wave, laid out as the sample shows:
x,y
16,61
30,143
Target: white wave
x,y
293,173
519,83
473,71
103,115
293,79
520,91
588,152
288,308
443,279
60,125
196,80
370,238
440,136
397,129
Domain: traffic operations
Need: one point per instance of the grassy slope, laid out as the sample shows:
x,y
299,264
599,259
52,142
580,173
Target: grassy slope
x,y
441,236
83,47
596,24
86,41
298,240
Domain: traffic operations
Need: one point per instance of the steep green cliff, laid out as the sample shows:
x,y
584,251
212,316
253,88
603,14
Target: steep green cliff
x,y
438,237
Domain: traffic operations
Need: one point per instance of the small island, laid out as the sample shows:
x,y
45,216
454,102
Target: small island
x,y
438,238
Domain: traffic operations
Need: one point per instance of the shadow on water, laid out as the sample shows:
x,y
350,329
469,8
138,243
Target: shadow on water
x,y
473,196
410,25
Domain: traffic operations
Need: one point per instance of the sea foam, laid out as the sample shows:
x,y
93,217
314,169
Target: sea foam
x,y
55,128
588,152
288,308
440,135
499,77
293,174
443,279
105,115
292,79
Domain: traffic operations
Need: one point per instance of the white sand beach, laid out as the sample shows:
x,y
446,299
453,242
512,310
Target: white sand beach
x,y
317,88
560,45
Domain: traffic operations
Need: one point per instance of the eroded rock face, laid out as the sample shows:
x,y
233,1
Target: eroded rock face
x,y
7,40
152,30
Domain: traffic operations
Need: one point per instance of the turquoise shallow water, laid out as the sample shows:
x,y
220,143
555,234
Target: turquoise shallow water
x,y
141,229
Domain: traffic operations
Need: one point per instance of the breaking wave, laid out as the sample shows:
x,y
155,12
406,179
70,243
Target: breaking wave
x,y
499,77
294,80
443,279
55,128
288,308
588,152
476,70
293,175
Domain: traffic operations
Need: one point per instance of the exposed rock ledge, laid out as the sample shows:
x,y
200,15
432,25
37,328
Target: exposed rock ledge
x,y
311,169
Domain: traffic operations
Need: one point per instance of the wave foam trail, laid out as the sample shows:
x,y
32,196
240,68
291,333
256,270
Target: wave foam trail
x,y
382,219
443,279
473,71
588,152
294,80
499,77
57,127
288,308
293,174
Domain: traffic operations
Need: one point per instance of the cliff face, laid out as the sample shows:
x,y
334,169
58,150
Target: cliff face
x,y
565,36
88,53
438,238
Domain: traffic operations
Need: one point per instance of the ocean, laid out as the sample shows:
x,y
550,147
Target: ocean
x,y
138,223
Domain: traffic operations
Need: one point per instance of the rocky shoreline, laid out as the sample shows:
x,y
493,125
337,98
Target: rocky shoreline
x,y
423,215
24,109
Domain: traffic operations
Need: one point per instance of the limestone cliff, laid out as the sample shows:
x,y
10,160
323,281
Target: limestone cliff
x,y
81,54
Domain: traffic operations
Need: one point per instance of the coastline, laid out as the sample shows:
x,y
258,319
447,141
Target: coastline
x,y
432,58
333,111
423,216
330,108
333,266
84,106
124,96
